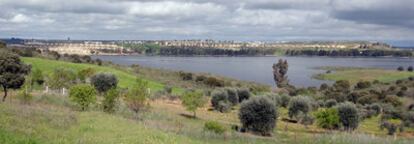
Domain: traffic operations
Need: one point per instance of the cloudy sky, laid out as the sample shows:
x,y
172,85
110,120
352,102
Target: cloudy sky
x,y
383,20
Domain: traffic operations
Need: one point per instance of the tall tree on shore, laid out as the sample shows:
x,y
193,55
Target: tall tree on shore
x,y
12,71
279,73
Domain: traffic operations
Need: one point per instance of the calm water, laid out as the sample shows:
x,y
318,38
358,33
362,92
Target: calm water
x,y
258,69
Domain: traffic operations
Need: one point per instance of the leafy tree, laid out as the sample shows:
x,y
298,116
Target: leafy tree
x,y
62,78
137,95
83,95
104,81
279,73
258,115
193,100
110,100
12,72
299,105
37,76
327,118
348,115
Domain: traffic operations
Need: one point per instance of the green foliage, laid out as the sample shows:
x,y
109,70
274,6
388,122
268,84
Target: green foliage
x,y
244,94
258,115
330,103
104,81
12,71
83,95
62,78
37,76
348,115
232,96
137,95
299,105
410,68
327,118
86,73
214,82
219,100
400,68
186,76
363,85
193,100
110,100
215,127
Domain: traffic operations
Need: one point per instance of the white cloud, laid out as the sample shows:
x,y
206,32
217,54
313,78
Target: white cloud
x,y
20,18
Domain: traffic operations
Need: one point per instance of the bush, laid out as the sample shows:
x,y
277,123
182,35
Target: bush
x,y
391,128
193,100
85,74
323,87
232,96
83,95
258,115
376,108
298,105
327,118
244,94
215,127
363,85
200,78
214,82
137,95
400,68
104,81
348,115
168,89
217,96
186,76
330,103
110,100
410,68
394,100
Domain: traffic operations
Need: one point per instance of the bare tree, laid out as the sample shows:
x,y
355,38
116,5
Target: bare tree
x,y
279,73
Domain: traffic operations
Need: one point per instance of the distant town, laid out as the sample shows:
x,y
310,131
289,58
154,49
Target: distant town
x,y
126,47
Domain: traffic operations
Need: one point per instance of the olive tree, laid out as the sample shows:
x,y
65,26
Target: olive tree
x,y
258,115
299,105
348,115
193,100
104,81
83,95
12,72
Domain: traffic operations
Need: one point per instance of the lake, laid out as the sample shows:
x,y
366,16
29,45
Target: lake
x,y
258,69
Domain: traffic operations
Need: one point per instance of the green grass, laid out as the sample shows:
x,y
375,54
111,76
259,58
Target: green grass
x,y
357,74
126,79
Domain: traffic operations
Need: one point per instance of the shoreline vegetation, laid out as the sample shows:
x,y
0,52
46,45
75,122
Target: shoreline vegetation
x,y
145,106
356,74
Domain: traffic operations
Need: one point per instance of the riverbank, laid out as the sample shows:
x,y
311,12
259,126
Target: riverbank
x,y
356,74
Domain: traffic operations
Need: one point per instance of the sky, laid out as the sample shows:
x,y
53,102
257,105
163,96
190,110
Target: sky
x,y
243,20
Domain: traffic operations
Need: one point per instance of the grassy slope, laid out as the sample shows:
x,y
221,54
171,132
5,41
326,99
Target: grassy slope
x,y
356,74
125,79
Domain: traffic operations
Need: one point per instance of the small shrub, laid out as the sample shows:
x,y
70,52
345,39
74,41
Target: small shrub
x,y
104,81
327,118
200,78
330,103
348,115
391,127
410,68
214,127
217,96
400,68
244,94
394,100
258,115
223,106
232,96
323,87
193,100
137,96
363,85
110,100
298,105
214,82
186,76
168,89
83,95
